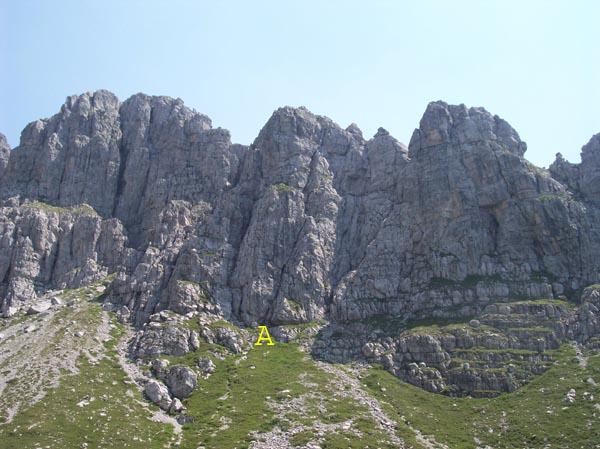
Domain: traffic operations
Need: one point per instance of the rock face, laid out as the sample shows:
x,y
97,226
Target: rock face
x,y
468,221
499,351
583,179
72,158
309,222
53,248
4,154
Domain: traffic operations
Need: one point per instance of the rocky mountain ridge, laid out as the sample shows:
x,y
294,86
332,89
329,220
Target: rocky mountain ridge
x,y
310,223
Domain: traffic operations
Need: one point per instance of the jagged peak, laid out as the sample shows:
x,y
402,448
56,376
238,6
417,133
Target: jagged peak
x,y
385,147
458,124
560,161
353,129
157,100
381,132
383,136
592,147
162,106
163,109
300,111
590,151
99,99
297,121
3,141
4,153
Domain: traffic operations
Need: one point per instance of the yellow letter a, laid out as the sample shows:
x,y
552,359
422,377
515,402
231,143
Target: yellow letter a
x,y
264,336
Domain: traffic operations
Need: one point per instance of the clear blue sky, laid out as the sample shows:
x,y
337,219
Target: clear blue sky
x,y
376,63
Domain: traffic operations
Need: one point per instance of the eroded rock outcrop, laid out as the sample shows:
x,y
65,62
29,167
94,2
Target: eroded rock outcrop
x,y
469,220
45,247
71,158
311,222
499,351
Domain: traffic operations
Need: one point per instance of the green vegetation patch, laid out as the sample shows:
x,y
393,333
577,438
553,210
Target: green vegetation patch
x,y
233,402
534,416
547,197
302,438
283,187
553,302
224,324
248,396
294,304
81,209
108,417
427,327
95,408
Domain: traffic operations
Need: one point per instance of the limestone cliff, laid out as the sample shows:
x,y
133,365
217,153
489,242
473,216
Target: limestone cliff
x,y
311,221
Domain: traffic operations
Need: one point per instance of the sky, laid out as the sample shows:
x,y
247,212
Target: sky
x,y
375,63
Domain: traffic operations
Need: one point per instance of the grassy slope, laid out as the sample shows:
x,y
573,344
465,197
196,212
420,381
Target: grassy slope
x,y
534,416
112,419
250,394
242,395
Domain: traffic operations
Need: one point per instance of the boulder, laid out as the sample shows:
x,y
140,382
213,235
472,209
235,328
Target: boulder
x,y
158,393
160,368
206,366
181,381
38,308
570,396
475,323
176,406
